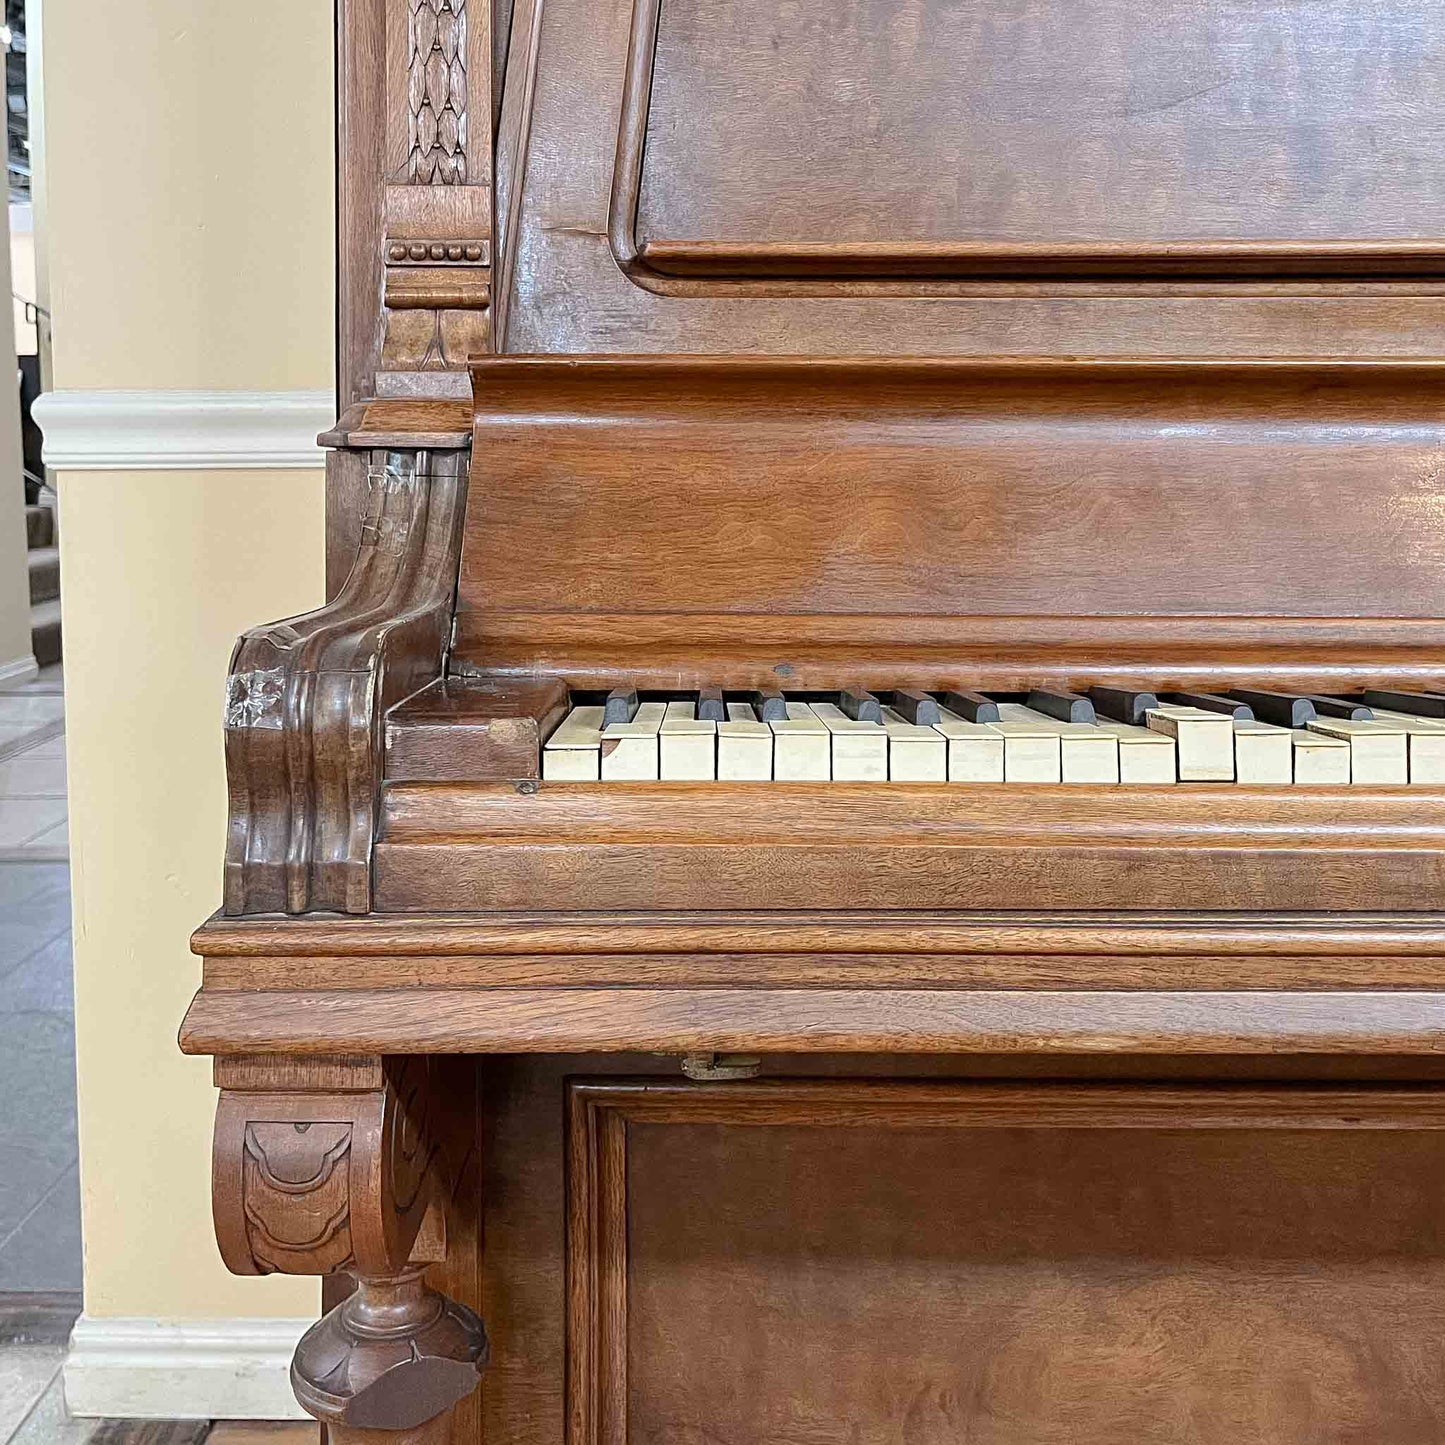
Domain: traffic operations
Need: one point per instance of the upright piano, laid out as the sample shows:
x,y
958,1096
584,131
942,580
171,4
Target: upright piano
x,y
858,851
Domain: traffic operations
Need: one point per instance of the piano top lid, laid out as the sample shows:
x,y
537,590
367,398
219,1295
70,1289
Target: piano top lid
x,y
780,508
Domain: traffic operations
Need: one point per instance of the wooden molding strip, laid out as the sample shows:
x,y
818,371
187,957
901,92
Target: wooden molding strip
x,y
112,431
850,931
769,1020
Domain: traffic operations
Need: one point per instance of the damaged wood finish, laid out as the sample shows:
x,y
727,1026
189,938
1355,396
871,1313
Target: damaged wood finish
x,y
306,696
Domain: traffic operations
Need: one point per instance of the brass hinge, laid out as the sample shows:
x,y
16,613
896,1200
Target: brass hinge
x,y
718,1068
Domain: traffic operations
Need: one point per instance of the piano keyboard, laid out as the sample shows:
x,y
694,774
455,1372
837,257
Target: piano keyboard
x,y
1109,736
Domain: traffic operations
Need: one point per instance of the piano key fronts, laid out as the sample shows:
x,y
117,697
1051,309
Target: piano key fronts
x,y
1106,737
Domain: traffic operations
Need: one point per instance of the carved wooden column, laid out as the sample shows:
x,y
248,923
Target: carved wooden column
x,y
437,215
352,1165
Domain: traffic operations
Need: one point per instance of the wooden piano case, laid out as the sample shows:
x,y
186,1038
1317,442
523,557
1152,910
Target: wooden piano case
x,y
728,342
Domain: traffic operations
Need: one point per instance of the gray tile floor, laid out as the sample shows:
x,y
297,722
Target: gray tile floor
x,y
39,1179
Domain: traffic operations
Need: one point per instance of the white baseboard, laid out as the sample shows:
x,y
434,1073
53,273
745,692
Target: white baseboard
x,y
22,670
148,1369
148,431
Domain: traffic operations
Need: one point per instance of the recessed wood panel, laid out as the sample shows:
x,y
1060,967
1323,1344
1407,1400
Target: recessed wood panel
x,y
576,163
948,135
905,1263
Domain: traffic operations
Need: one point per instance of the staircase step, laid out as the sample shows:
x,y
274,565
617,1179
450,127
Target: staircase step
x,y
44,573
45,632
39,526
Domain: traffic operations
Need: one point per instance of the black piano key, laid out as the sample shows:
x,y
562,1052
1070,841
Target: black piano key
x,y
1417,704
710,705
620,707
1280,708
1212,702
971,706
860,706
916,707
769,704
1122,704
1340,707
1065,706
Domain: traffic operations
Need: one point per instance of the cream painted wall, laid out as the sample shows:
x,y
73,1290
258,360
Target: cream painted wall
x,y
161,573
188,236
189,192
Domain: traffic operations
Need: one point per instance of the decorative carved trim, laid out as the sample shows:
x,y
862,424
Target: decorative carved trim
x,y
316,1183
437,222
306,696
438,288
437,92
433,252
352,1164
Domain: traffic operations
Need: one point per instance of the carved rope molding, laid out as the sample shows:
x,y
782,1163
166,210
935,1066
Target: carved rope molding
x,y
183,430
306,697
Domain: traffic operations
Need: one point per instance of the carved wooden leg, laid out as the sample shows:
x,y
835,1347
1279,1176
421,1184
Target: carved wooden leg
x,y
395,1357
348,1165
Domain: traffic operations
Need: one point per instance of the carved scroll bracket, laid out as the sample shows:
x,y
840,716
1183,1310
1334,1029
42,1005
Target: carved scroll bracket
x,y
336,1179
330,1165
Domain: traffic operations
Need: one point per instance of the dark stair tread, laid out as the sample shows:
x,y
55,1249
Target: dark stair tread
x,y
39,525
44,564
45,632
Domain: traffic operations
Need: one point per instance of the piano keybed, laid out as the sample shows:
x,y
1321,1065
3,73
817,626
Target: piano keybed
x,y
1110,736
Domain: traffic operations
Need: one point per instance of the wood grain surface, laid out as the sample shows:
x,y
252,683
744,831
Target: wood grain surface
x,y
907,123
737,520
1137,141
439,1019
940,1262
673,846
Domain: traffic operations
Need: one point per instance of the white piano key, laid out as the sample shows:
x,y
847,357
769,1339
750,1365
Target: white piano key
x,y
1145,756
687,745
744,747
1205,741
1409,721
1379,752
1426,737
1263,754
860,749
1320,761
1087,752
572,753
1030,752
802,748
975,750
916,753
629,750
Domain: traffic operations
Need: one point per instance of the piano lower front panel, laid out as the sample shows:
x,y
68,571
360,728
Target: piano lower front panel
x,y
803,1261
661,846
